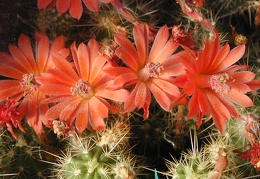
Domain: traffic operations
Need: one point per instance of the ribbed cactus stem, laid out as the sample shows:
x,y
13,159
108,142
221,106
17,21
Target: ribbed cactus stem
x,y
104,158
92,165
87,156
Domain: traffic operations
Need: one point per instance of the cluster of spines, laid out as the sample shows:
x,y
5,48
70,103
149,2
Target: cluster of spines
x,y
21,159
98,155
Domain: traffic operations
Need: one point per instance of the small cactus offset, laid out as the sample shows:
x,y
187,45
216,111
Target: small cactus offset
x,y
216,159
95,156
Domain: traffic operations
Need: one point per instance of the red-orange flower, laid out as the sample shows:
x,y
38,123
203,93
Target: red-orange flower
x,y
254,154
9,116
21,66
74,6
215,83
80,89
147,72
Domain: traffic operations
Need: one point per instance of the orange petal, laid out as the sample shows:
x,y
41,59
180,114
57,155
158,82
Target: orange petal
x,y
189,88
55,89
128,58
92,5
101,80
9,61
54,99
58,46
118,95
127,51
202,101
129,104
22,108
232,57
219,114
161,97
20,58
147,104
218,59
76,8
70,109
62,64
242,76
239,98
55,111
43,3
96,66
11,72
159,42
43,108
173,70
254,85
11,92
97,106
116,71
209,52
229,105
24,44
58,43
62,5
42,53
33,113
10,129
215,102
193,106
43,78
5,84
110,107
188,61
166,86
98,111
141,37
83,62
62,77
140,95
82,117
240,87
164,53
93,48
106,1
125,79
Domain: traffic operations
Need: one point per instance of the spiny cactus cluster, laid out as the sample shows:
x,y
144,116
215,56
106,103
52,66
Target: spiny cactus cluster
x,y
95,156
220,154
22,159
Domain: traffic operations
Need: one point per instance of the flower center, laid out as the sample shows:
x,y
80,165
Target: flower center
x,y
153,69
82,89
29,82
219,83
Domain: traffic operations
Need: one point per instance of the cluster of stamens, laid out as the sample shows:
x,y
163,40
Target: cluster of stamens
x,y
81,88
153,69
29,82
219,83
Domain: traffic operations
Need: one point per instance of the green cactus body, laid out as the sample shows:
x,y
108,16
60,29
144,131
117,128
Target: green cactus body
x,y
98,156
